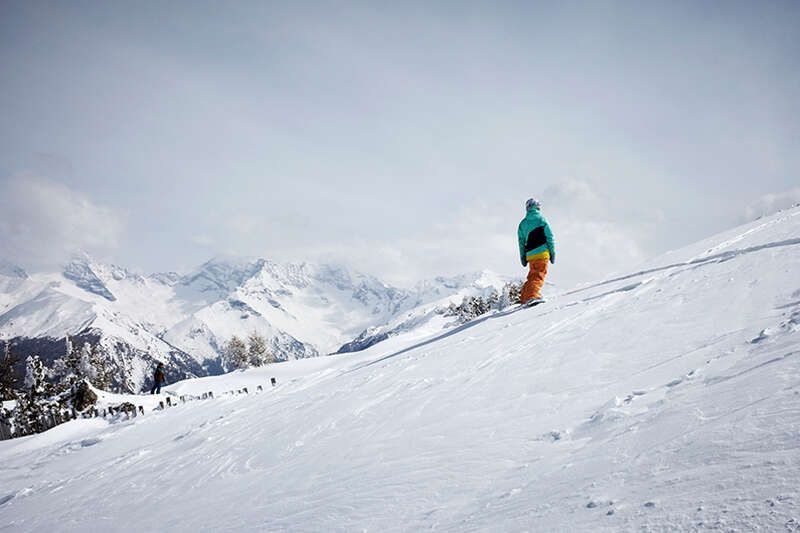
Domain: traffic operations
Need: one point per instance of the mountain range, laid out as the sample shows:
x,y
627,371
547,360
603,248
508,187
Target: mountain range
x,y
184,320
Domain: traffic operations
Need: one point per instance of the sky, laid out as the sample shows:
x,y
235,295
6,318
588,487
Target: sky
x,y
401,139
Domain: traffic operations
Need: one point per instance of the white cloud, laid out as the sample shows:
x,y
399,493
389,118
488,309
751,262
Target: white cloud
x,y
203,240
594,238
773,202
43,222
245,224
471,239
595,234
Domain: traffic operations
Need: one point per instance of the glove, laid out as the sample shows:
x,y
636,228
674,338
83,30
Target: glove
x,y
523,260
552,258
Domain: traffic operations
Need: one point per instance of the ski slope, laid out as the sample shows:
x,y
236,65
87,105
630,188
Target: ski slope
x,y
662,400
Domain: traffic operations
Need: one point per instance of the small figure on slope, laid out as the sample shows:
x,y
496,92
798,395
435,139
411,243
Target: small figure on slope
x,y
158,379
536,248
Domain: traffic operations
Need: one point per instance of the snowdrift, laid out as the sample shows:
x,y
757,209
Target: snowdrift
x,y
666,399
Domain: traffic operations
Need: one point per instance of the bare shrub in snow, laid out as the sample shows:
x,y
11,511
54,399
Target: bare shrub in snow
x,y
257,350
236,354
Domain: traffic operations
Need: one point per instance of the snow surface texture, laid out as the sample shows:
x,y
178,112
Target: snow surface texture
x,y
667,399
303,309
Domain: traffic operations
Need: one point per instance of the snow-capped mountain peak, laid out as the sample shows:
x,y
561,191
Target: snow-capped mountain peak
x,y
304,309
85,274
220,276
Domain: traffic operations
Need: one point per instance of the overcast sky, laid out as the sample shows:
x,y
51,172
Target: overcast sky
x,y
401,138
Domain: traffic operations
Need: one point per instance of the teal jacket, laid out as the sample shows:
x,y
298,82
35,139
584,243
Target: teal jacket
x,y
535,237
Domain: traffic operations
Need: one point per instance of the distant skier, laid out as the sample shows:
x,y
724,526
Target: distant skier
x,y
158,379
536,248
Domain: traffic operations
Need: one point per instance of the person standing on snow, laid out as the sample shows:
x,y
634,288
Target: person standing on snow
x,y
158,379
536,248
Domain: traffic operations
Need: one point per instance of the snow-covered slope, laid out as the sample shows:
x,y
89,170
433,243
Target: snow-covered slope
x,y
428,316
303,309
664,400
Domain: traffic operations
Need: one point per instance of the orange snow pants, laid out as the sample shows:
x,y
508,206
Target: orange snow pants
x,y
535,282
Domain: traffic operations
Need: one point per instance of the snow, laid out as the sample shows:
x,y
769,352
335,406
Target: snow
x,y
666,399
303,309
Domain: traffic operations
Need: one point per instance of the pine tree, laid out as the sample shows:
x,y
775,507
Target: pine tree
x,y
97,363
84,362
510,295
493,300
35,376
36,402
65,368
68,347
85,365
7,381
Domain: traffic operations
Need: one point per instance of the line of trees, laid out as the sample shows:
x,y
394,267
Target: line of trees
x,y
474,306
79,363
246,353
63,385
48,389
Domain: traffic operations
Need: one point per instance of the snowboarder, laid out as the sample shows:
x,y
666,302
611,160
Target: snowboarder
x,y
158,379
536,248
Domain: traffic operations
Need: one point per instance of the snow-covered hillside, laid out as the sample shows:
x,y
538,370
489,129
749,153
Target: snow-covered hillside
x,y
428,314
303,309
663,400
